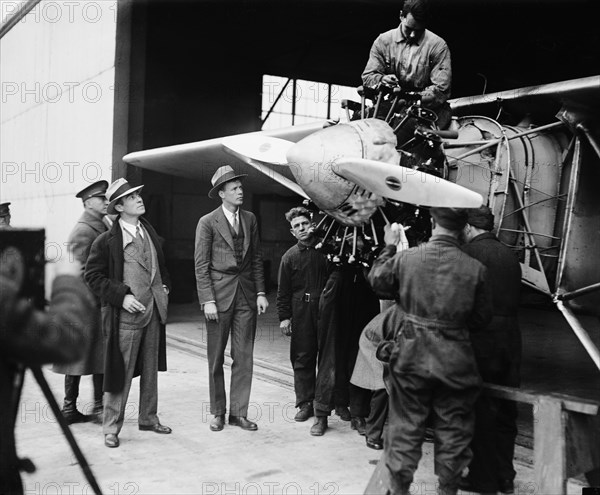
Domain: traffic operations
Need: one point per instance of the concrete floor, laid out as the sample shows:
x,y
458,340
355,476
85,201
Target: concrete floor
x,y
281,457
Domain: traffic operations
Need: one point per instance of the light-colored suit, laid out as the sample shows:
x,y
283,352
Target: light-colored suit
x,y
233,287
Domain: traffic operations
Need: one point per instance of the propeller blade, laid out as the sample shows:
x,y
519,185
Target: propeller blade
x,y
405,184
259,147
269,172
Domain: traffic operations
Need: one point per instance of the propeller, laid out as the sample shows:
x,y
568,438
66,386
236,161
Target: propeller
x,y
405,184
259,147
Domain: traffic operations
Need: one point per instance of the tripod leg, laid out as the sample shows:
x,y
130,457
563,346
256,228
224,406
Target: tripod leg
x,y
41,379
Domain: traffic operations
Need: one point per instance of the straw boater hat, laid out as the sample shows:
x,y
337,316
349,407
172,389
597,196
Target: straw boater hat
x,y
117,190
4,209
95,190
222,175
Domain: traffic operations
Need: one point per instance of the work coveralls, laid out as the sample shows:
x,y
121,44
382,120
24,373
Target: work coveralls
x,y
444,293
302,277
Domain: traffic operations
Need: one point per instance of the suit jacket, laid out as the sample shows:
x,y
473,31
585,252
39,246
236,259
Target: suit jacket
x,y
217,272
104,275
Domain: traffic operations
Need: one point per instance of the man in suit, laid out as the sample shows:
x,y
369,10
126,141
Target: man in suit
x,y
231,290
126,269
89,226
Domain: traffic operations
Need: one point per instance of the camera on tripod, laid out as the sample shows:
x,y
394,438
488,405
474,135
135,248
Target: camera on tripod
x,y
22,262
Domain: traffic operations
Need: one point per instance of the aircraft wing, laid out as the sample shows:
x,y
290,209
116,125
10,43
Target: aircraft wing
x,y
544,99
200,160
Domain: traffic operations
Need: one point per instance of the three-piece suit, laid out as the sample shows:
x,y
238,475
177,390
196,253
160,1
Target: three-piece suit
x,y
229,272
136,342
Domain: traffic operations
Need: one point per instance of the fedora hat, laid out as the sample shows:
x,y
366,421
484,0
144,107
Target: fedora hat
x,y
117,190
95,190
222,175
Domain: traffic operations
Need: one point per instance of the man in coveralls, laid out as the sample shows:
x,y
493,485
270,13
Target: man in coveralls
x,y
302,277
444,293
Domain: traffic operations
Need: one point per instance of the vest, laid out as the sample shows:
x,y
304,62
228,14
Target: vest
x,y
141,274
238,243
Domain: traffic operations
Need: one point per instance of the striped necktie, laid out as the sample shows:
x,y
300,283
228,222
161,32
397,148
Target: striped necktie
x,y
236,223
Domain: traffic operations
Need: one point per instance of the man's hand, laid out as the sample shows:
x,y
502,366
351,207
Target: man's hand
x,y
286,327
262,304
389,80
132,305
210,311
394,235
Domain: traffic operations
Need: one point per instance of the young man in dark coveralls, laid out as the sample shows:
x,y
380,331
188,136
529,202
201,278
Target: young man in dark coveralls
x,y
126,269
89,226
231,290
302,277
444,294
498,353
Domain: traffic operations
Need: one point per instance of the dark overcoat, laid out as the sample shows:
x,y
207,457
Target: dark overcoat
x,y
104,276
498,346
81,238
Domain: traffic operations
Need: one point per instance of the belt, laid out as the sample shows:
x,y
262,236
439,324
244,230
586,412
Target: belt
x,y
307,297
433,323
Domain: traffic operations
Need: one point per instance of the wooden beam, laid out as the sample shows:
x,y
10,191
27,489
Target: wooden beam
x,y
549,451
569,403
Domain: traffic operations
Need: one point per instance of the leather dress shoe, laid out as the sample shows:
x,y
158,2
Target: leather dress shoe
x,y
374,444
157,428
343,413
243,423
111,440
217,423
76,417
357,423
506,486
319,426
304,412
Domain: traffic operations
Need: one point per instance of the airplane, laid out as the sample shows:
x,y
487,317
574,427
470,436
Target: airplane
x,y
531,154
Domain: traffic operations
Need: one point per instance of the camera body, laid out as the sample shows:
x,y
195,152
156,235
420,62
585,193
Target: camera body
x,y
22,260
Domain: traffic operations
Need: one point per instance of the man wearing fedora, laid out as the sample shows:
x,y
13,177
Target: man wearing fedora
x,y
4,215
126,269
231,290
89,226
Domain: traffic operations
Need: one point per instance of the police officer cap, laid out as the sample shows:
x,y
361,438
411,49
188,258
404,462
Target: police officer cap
x,y
95,190
481,217
450,218
4,209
